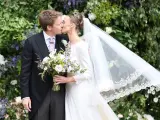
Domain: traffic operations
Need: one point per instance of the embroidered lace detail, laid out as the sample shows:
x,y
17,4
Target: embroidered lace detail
x,y
133,83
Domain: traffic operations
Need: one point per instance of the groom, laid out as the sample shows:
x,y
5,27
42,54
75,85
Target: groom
x,y
37,95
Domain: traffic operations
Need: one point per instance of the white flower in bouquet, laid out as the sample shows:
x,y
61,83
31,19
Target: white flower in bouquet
x,y
18,100
59,68
155,99
52,54
152,88
45,68
62,57
153,92
91,16
148,117
41,66
109,30
45,60
157,89
147,96
149,91
13,82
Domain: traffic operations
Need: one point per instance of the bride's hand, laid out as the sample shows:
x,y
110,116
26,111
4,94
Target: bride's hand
x,y
61,79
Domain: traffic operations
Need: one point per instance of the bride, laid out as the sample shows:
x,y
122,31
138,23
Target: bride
x,y
83,100
112,70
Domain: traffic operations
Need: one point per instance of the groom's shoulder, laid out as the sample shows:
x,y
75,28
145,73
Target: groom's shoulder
x,y
34,36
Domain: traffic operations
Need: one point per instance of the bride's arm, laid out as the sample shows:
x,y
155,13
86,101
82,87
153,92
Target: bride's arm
x,y
85,63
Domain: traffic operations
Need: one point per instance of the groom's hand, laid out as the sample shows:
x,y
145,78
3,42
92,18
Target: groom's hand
x,y
27,103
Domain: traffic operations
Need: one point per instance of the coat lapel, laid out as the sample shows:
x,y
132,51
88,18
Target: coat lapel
x,y
42,45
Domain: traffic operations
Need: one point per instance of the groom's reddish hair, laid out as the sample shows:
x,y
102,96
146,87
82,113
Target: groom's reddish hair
x,y
48,17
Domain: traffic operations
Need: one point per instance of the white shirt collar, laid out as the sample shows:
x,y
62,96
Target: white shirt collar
x,y
46,37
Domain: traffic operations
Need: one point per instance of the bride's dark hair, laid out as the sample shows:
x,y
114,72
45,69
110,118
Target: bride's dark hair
x,y
77,19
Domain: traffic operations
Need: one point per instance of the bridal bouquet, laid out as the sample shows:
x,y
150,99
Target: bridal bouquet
x,y
54,64
59,64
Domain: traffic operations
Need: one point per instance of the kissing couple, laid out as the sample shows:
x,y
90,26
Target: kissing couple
x,y
79,97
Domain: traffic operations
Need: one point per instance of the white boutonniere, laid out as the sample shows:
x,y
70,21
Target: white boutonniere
x,y
64,42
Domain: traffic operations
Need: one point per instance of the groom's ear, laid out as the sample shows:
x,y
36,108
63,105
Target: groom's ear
x,y
49,28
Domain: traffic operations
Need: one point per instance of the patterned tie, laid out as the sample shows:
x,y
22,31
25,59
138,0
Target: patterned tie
x,y
51,44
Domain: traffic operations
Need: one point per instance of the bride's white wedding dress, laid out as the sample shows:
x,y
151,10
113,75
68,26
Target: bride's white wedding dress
x,y
83,101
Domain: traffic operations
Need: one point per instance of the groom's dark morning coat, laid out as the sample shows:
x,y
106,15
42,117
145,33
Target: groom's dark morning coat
x,y
30,81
